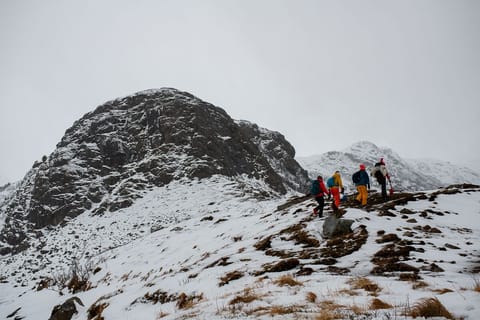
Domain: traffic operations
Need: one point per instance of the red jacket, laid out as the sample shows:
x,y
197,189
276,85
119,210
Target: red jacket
x,y
323,189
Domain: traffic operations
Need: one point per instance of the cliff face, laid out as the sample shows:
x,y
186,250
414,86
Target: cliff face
x,y
113,155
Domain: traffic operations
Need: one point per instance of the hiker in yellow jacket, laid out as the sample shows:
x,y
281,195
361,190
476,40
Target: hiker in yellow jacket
x,y
336,189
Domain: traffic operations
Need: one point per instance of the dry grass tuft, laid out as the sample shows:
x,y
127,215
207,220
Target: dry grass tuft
x,y
311,297
419,284
442,291
377,304
287,280
302,237
95,311
281,310
186,302
161,315
365,284
476,286
347,292
231,276
329,305
430,307
247,296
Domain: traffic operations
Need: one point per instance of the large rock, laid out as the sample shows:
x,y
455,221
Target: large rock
x,y
66,310
334,226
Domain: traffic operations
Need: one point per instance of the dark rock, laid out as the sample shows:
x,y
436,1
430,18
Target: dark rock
x,y
66,310
333,226
391,237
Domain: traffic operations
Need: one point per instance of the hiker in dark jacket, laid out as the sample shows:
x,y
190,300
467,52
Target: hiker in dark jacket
x,y
381,174
362,182
322,191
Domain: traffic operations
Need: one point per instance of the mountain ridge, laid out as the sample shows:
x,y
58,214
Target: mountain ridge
x,y
406,174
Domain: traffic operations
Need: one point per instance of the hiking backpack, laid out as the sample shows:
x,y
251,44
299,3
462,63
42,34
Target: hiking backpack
x,y
330,182
315,189
356,177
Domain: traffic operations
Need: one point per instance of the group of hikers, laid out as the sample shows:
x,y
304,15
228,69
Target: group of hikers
x,y
334,187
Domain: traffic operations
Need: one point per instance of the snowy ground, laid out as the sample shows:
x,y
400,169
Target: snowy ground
x,y
202,242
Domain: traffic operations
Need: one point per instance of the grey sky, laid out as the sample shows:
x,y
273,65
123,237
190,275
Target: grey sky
x,y
403,74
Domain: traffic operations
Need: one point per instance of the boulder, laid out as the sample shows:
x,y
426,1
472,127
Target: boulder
x,y
66,310
334,226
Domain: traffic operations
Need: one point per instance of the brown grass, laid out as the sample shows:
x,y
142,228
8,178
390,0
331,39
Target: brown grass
x,y
419,284
476,285
161,315
287,280
442,291
311,297
281,310
185,301
95,311
430,307
246,297
328,315
377,304
348,292
329,305
302,237
365,284
231,276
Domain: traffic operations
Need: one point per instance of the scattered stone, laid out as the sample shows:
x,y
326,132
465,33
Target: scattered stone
x,y
391,237
451,246
338,270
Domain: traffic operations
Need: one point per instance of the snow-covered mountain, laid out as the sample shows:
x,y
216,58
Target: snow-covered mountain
x,y
160,206
126,147
406,174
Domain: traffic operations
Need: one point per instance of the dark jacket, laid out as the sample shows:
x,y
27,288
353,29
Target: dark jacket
x,y
364,179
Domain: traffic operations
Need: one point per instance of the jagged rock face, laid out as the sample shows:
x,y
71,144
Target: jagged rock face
x,y
126,146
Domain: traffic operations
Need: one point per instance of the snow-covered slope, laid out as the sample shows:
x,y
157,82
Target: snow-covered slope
x,y
405,174
215,253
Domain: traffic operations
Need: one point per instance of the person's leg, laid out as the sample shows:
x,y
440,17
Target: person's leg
x,y
363,194
336,197
384,190
359,196
321,203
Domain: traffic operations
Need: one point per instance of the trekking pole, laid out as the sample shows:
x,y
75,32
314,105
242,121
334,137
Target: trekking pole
x,y
391,188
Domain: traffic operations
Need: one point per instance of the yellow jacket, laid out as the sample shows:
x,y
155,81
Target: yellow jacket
x,y
337,180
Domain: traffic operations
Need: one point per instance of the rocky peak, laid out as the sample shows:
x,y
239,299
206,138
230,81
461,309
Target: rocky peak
x,y
123,148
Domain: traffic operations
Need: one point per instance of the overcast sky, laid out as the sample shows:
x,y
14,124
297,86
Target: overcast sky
x,y
403,74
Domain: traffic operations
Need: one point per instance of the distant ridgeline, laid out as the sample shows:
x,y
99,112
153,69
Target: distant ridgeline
x,y
407,175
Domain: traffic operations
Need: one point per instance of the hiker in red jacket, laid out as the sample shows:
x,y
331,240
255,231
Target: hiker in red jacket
x,y
319,191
